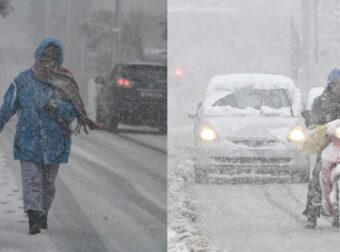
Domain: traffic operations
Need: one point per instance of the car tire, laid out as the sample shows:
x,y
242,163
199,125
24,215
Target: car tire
x,y
110,123
200,177
163,130
99,117
113,124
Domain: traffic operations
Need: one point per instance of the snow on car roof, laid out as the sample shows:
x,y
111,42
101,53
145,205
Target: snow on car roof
x,y
263,81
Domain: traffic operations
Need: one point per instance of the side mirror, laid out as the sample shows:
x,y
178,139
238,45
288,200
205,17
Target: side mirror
x,y
199,105
192,115
195,114
308,116
99,80
306,113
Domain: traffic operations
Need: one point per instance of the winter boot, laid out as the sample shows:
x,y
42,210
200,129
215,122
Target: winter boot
x,y
311,222
336,222
33,222
43,221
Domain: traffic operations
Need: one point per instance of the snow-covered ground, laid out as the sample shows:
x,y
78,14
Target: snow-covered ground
x,y
243,217
183,233
111,196
14,224
260,218
147,136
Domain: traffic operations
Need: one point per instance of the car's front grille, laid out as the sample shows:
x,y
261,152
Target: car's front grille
x,y
255,142
253,160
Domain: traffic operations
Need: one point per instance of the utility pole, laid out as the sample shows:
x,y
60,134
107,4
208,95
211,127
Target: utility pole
x,y
316,32
68,28
48,18
117,30
306,39
310,40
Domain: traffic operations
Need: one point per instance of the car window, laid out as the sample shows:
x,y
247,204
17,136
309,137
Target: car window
x,y
147,76
145,72
255,98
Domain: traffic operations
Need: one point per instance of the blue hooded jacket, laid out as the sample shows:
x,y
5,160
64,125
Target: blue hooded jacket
x,y
38,136
333,75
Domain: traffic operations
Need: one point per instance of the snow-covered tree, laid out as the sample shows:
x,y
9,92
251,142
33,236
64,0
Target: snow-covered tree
x,y
132,46
100,38
296,53
5,7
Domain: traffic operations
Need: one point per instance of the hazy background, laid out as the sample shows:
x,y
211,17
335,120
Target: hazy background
x,y
297,38
96,33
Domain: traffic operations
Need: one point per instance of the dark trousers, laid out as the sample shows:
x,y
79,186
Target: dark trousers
x,y
38,184
314,194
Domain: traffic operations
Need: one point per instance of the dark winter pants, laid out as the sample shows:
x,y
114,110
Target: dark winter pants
x,y
38,183
314,195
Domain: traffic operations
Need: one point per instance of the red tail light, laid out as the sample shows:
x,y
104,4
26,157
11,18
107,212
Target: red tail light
x,y
123,83
179,72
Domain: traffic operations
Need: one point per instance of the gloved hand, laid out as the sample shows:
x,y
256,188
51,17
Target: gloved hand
x,y
52,105
306,113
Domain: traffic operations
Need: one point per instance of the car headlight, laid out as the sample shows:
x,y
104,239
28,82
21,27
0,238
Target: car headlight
x,y
297,135
337,132
207,134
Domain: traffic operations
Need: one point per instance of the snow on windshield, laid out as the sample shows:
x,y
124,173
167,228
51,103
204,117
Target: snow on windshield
x,y
249,94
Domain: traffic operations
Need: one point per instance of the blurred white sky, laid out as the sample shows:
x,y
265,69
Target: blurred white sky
x,y
156,7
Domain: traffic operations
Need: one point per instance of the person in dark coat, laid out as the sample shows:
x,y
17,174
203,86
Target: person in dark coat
x,y
326,108
46,99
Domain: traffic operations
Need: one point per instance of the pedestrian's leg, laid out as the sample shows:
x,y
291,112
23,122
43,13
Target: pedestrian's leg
x,y
49,175
32,184
313,204
326,186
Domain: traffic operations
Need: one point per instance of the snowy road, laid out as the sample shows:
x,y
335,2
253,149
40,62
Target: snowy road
x,y
260,218
246,217
111,196
256,217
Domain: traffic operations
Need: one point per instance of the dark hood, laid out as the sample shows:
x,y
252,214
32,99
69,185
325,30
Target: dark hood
x,y
46,43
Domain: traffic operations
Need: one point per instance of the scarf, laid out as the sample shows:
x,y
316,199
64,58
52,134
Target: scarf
x,y
63,80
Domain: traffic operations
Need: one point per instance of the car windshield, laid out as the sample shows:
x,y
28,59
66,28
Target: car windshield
x,y
255,98
147,76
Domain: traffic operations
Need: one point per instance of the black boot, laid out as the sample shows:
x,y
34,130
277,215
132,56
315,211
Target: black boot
x,y
336,222
311,222
34,221
43,221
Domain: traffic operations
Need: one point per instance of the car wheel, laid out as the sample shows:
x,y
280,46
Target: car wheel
x,y
200,177
163,130
113,124
99,116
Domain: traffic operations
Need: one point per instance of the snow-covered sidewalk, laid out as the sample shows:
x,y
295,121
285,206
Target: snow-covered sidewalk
x,y
183,233
14,224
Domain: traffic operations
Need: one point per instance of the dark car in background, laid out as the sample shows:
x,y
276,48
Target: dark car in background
x,y
134,94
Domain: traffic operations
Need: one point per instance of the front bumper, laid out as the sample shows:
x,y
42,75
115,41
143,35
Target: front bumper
x,y
140,111
251,164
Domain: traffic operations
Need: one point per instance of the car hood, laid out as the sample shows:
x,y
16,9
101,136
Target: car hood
x,y
259,127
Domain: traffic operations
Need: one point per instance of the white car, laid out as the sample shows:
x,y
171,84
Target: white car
x,y
248,128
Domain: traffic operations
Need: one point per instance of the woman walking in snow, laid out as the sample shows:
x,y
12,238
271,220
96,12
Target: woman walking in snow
x,y
46,99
